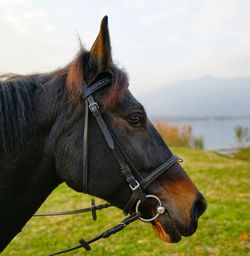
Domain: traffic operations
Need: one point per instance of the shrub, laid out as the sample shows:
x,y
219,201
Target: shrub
x,y
179,136
198,142
243,153
242,135
175,135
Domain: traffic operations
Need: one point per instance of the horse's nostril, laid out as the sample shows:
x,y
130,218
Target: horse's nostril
x,y
199,207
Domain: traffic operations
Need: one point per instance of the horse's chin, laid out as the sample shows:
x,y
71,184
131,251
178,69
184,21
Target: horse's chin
x,y
166,230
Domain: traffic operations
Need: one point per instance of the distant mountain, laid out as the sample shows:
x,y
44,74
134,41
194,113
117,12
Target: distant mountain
x,y
206,96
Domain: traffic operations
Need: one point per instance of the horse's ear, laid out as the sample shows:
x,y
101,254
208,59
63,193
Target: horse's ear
x,y
101,49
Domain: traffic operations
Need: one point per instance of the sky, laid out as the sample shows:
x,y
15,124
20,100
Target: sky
x,y
158,42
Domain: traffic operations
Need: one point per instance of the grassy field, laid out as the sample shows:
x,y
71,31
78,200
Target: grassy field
x,y
243,154
223,229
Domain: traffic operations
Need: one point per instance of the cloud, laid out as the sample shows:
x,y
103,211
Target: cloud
x,y
214,40
13,2
26,18
157,43
222,19
30,38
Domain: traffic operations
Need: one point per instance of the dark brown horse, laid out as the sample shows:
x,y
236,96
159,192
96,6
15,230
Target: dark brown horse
x,y
41,135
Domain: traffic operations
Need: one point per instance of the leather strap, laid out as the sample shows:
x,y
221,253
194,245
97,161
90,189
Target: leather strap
x,y
106,234
90,209
145,182
86,244
158,171
94,108
91,89
85,150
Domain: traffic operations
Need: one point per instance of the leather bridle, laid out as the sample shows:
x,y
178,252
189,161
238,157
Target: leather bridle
x,y
136,182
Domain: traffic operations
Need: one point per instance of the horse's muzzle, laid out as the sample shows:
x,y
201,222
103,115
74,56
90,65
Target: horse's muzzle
x,y
169,229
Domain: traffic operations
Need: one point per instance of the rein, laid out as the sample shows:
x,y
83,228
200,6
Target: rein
x,y
136,182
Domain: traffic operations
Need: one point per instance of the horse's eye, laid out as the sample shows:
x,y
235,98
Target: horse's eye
x,y
136,120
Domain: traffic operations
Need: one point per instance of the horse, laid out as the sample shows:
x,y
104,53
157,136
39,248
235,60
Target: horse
x,y
43,144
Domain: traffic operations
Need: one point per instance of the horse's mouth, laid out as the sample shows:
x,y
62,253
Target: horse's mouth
x,y
165,229
164,225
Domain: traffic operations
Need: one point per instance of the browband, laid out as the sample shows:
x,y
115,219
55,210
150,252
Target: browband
x,y
96,86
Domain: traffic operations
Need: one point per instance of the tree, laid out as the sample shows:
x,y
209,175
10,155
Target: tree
x,y
242,135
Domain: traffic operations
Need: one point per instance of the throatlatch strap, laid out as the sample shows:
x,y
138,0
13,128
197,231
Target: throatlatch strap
x,y
85,150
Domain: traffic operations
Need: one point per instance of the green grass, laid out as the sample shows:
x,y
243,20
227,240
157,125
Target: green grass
x,y
243,154
225,182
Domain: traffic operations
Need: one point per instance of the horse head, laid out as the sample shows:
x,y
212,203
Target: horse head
x,y
137,137
55,152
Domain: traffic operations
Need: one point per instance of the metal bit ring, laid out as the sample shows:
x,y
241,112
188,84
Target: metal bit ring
x,y
160,208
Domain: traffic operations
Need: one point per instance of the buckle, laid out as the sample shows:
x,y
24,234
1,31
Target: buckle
x,y
93,106
134,187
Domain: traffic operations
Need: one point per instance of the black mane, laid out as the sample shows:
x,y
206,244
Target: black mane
x,y
16,109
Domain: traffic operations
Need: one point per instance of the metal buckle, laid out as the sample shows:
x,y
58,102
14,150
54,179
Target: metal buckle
x,y
93,105
160,209
137,185
180,160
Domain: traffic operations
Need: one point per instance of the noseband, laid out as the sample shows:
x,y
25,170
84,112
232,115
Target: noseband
x,y
136,182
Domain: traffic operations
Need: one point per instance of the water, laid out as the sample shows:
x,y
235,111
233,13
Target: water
x,y
217,133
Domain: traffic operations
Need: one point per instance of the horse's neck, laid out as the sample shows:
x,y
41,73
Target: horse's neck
x,y
23,188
